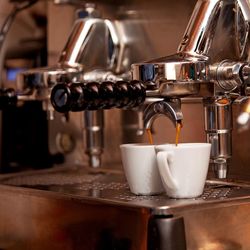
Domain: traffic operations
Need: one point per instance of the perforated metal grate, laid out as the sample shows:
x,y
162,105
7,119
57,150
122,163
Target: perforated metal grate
x,y
128,196
218,193
103,186
114,187
51,179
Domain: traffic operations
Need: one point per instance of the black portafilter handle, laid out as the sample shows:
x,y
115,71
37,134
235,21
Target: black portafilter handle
x,y
94,95
8,98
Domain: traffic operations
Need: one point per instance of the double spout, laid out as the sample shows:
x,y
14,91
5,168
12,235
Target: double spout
x,y
171,108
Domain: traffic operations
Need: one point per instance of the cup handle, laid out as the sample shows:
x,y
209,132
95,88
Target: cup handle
x,y
164,160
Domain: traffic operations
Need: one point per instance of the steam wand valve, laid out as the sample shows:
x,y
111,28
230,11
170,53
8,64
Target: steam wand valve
x,y
218,127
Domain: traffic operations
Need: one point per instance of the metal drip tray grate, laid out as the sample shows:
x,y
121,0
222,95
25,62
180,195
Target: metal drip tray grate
x,y
64,176
51,179
103,186
112,187
128,196
219,192
211,192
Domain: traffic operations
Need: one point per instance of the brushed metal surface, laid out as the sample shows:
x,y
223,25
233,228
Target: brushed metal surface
x,y
41,221
80,208
107,186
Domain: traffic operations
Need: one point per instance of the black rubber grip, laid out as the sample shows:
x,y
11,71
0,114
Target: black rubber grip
x,y
94,95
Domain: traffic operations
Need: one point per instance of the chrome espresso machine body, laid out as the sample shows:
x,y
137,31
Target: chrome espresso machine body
x,y
203,68
76,206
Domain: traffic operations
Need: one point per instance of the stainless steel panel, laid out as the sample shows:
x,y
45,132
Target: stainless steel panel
x,y
81,208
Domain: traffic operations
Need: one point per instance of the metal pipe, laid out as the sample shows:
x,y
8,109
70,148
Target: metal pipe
x,y
93,127
218,127
200,30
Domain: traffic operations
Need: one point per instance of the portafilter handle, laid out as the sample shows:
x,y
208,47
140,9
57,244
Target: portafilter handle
x,y
95,95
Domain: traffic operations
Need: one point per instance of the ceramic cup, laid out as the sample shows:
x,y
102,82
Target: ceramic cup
x,y
140,168
183,168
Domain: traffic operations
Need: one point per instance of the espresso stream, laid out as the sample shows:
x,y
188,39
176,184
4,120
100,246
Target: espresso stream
x,y
150,137
177,134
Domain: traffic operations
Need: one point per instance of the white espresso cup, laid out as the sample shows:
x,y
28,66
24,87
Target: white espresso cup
x,y
183,168
140,168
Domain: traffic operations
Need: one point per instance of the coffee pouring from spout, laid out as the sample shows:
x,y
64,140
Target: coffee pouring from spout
x,y
170,108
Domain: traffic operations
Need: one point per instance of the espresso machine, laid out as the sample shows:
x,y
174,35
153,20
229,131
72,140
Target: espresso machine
x,y
89,206
200,68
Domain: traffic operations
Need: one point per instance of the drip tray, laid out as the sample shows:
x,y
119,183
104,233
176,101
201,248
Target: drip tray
x,y
111,187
